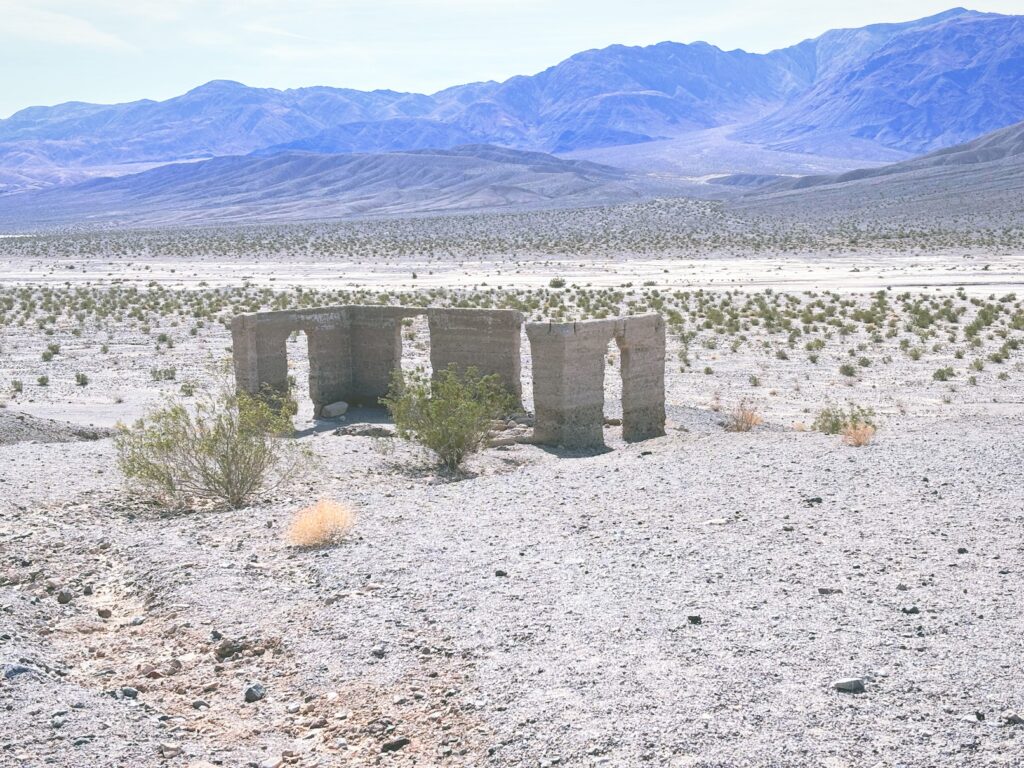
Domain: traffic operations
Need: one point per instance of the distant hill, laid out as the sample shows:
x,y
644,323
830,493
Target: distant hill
x,y
878,93
979,180
300,185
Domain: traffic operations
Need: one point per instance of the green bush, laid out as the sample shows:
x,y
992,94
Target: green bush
x,y
449,414
221,451
943,374
81,380
833,419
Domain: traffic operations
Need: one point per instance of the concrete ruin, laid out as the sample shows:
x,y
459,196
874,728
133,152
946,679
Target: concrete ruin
x,y
353,351
568,379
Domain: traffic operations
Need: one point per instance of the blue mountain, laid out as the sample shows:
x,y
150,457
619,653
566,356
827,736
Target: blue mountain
x,y
878,92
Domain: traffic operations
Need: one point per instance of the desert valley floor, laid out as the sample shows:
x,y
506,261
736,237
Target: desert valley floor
x,y
685,601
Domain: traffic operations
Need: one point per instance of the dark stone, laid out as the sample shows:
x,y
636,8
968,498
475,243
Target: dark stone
x,y
395,744
254,692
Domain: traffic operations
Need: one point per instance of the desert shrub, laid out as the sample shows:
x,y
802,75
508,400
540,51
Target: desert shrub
x,y
943,374
17,385
163,374
81,380
858,435
847,370
221,451
321,524
743,419
43,381
834,419
449,414
556,282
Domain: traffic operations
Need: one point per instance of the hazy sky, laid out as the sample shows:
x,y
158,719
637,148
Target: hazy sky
x,y
118,50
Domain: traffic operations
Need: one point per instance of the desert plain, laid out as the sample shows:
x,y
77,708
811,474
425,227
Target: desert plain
x,y
721,596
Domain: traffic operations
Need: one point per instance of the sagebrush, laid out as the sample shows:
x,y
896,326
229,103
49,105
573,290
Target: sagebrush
x,y
450,413
220,451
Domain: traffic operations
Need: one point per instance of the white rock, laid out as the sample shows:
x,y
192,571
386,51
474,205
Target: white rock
x,y
334,410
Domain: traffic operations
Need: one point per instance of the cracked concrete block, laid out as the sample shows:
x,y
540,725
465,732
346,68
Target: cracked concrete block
x,y
487,339
568,381
260,353
641,341
376,342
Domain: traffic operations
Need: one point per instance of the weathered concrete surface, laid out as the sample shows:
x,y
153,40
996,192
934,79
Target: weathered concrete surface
x,y
353,350
376,340
487,339
568,379
259,344
641,341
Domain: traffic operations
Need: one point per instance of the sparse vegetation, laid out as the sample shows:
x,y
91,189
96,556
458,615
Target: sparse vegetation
x,y
833,419
221,451
743,418
450,414
320,525
858,434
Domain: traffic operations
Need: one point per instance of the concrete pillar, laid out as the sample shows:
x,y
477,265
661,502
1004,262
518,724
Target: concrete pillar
x,y
330,353
488,339
376,350
259,346
568,381
641,340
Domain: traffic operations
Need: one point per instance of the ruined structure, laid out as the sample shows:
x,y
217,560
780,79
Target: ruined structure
x,y
353,351
568,379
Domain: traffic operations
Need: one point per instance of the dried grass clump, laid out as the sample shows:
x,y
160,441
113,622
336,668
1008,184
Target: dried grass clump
x,y
858,435
322,524
743,419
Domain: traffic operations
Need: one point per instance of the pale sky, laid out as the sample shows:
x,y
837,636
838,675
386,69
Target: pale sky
x,y
120,50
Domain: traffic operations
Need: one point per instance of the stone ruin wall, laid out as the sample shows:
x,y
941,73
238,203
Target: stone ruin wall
x,y
353,351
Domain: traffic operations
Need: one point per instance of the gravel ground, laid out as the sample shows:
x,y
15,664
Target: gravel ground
x,y
685,601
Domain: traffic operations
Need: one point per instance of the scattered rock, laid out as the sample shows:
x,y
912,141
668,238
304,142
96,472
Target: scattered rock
x,y
500,572
829,591
130,693
228,647
364,430
695,619
254,692
377,652
169,749
396,744
1012,718
65,596
104,613
334,410
849,685
12,671
910,610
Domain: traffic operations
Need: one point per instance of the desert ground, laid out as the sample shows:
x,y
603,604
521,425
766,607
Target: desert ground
x,y
691,600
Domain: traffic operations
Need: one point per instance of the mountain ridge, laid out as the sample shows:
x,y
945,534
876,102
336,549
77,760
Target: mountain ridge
x,y
784,101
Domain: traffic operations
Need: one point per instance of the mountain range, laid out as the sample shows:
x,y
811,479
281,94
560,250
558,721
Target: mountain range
x,y
291,186
850,97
